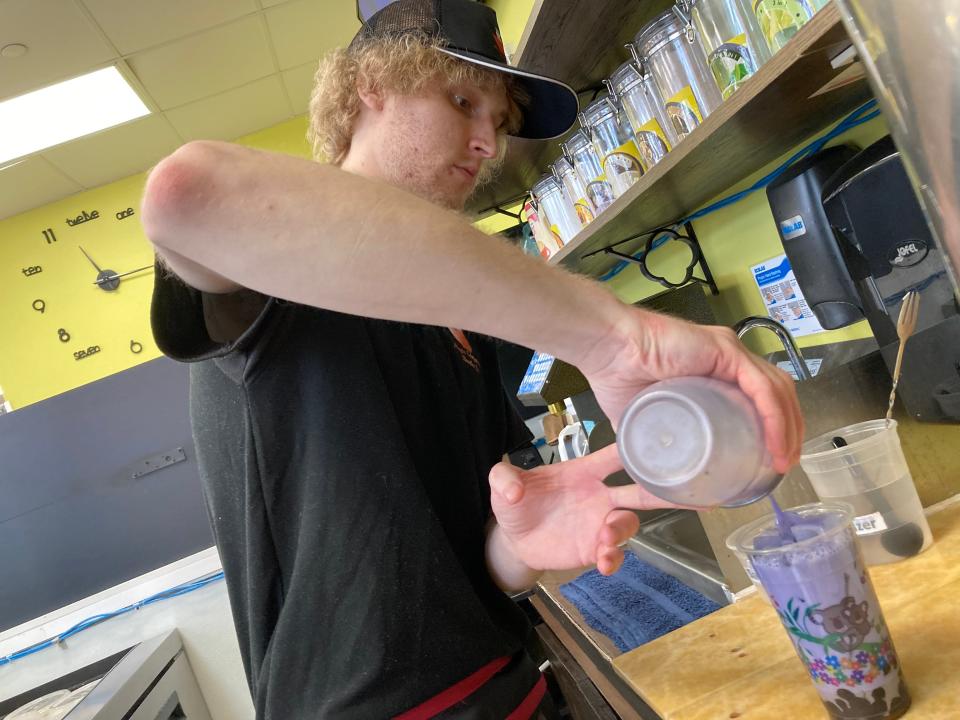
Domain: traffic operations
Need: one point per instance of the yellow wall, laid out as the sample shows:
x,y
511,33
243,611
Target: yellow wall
x,y
34,363
512,18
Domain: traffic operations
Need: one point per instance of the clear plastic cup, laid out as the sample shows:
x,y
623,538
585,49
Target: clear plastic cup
x,y
677,63
585,161
731,38
637,94
613,140
863,464
560,215
575,189
815,576
698,442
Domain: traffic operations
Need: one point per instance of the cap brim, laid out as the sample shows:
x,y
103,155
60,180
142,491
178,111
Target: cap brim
x,y
553,105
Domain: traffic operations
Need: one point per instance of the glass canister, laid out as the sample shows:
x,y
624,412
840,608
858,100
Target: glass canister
x,y
575,189
635,91
677,62
543,238
616,148
585,161
561,218
731,38
779,20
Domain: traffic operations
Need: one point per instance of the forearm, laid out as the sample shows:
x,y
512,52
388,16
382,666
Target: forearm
x,y
510,574
320,236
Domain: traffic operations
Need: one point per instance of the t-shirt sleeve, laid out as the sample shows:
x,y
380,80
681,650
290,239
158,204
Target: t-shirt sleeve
x,y
190,325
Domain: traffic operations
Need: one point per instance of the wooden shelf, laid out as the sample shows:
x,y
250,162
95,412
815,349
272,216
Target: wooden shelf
x,y
579,42
775,110
769,115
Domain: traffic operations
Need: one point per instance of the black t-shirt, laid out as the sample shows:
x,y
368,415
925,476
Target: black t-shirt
x,y
344,463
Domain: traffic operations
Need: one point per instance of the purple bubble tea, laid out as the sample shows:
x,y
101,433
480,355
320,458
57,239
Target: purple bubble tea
x,y
811,567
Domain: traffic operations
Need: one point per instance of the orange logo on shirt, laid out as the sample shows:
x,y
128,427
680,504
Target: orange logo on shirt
x,y
465,349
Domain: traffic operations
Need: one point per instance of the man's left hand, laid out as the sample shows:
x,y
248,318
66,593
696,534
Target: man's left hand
x,y
561,517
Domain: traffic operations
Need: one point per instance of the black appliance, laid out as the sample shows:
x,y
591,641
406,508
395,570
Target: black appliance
x,y
886,245
808,241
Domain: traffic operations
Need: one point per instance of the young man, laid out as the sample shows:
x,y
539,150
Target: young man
x,y
348,431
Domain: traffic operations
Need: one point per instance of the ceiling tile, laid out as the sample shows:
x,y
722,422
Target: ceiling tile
x,y
204,64
304,30
116,153
133,25
61,42
299,83
32,183
234,113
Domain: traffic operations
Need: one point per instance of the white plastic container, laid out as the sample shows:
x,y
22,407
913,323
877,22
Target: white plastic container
x,y
698,442
585,161
863,464
677,62
637,95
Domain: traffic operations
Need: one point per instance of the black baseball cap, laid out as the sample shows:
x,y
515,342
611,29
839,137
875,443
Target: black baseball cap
x,y
469,31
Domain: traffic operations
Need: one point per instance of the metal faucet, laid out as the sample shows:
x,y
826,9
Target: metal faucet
x,y
789,344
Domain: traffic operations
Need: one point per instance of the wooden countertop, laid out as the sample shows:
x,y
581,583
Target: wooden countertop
x,y
739,662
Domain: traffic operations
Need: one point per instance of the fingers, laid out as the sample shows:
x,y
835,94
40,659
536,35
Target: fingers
x,y
790,407
773,392
601,463
634,497
506,482
620,525
609,560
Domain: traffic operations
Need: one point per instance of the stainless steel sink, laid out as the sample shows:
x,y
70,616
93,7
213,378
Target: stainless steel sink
x,y
675,542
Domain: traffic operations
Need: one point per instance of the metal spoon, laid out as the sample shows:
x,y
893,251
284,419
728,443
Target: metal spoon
x,y
906,324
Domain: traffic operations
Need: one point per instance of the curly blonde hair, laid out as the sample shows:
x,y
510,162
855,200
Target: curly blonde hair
x,y
405,64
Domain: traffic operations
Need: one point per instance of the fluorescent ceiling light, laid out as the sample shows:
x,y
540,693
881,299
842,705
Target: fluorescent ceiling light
x,y
65,111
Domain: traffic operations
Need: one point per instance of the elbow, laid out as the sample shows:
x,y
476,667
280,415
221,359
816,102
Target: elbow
x,y
176,190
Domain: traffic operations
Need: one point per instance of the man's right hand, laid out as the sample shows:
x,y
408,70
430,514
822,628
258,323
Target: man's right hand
x,y
647,347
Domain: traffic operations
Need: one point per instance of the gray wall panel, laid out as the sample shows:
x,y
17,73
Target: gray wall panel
x,y
73,522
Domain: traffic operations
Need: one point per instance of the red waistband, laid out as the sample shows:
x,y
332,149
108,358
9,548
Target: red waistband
x,y
469,685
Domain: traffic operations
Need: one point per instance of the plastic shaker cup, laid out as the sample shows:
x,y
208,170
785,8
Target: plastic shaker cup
x,y
696,441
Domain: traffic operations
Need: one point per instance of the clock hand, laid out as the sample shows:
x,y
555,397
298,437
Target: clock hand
x,y
90,259
117,276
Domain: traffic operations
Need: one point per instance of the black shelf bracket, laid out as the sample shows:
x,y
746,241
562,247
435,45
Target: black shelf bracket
x,y
501,211
689,239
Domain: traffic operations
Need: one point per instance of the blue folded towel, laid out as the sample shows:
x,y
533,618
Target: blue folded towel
x,y
636,604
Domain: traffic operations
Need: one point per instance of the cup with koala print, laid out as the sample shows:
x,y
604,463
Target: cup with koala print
x,y
810,565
